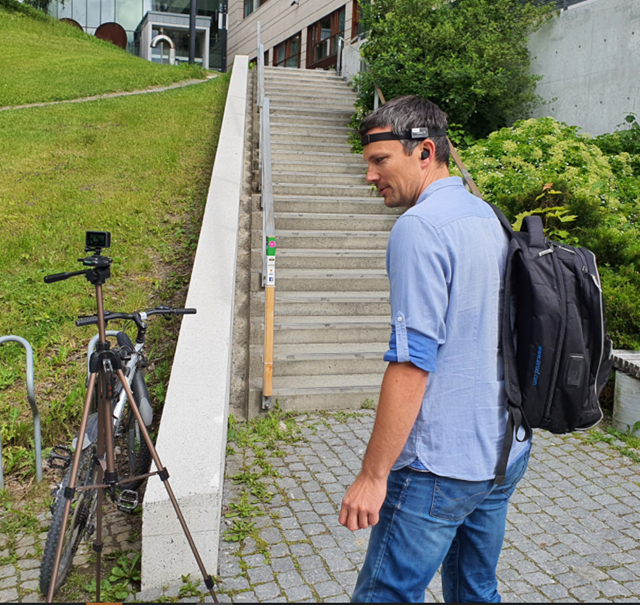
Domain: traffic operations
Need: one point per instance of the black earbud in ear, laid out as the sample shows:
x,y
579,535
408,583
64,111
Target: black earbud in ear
x,y
424,155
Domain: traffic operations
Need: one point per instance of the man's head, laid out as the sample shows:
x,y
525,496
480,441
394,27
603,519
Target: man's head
x,y
402,169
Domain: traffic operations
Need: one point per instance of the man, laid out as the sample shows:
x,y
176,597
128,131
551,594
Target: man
x,y
427,480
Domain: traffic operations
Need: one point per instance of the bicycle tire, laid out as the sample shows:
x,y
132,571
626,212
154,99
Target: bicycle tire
x,y
81,512
136,451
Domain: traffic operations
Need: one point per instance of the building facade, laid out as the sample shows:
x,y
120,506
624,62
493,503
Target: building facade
x,y
295,33
142,20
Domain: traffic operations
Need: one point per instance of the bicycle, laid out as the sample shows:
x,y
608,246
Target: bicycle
x,y
117,407
135,451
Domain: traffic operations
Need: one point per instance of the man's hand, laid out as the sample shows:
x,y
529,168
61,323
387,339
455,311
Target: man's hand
x,y
362,502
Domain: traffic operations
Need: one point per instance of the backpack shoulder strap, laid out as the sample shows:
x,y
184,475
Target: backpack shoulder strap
x,y
466,177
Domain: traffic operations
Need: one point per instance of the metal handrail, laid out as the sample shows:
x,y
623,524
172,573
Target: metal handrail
x,y
268,234
31,396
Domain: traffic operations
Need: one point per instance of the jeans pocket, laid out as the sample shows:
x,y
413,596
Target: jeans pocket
x,y
454,499
519,470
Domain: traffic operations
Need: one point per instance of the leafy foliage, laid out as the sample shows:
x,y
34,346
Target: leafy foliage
x,y
586,189
470,57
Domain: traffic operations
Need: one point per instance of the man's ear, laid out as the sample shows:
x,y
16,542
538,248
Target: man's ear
x,y
428,149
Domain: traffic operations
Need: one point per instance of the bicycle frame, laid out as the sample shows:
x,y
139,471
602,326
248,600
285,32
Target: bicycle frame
x,y
130,370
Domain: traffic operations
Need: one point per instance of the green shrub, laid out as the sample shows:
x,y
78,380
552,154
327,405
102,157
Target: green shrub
x,y
541,164
470,57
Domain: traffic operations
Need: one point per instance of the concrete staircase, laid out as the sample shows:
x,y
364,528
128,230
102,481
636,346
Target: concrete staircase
x,y
332,296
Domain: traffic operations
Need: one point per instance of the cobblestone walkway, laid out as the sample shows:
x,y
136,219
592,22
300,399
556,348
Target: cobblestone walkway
x,y
19,580
573,531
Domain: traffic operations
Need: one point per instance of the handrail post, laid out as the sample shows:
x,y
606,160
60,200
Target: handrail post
x,y
31,396
268,256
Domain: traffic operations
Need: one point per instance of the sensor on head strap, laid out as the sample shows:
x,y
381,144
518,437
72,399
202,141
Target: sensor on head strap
x,y
414,133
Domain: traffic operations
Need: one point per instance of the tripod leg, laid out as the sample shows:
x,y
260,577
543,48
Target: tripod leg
x,y
97,543
70,489
164,476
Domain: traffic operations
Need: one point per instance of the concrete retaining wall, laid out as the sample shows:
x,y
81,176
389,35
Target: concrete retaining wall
x,y
193,433
589,57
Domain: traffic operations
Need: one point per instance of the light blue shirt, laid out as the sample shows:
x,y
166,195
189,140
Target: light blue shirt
x,y
445,262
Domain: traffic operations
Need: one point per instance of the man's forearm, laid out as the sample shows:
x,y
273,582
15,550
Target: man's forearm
x,y
400,400
401,396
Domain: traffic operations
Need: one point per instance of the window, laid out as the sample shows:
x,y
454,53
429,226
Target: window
x,y
252,5
356,23
322,44
287,53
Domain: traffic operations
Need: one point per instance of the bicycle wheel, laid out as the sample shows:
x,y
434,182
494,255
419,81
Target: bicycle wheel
x,y
81,514
138,456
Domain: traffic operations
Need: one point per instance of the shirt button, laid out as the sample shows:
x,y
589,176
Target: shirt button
x,y
399,318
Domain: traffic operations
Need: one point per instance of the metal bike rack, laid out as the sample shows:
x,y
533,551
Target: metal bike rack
x,y
31,395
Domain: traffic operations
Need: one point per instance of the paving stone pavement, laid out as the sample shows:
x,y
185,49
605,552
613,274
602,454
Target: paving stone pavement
x,y
19,580
573,529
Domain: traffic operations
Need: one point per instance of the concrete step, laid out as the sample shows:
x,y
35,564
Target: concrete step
x,y
319,258
323,329
309,138
322,358
284,126
311,110
295,147
319,178
295,100
325,239
301,393
305,280
312,95
307,120
295,166
313,156
303,203
289,221
324,303
292,188
317,90
297,72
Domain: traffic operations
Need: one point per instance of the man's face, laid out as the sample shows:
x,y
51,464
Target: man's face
x,y
398,177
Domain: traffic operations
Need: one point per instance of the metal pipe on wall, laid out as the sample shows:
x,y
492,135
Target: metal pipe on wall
x,y
192,33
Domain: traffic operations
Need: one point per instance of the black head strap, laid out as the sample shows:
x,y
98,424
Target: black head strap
x,y
414,133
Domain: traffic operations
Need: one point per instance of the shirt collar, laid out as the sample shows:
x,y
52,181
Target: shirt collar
x,y
452,181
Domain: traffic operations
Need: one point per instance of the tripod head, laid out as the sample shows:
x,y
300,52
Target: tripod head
x,y
99,269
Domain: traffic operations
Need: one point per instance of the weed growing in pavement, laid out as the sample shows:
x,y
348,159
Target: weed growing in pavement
x,y
369,404
610,436
190,588
244,508
120,581
240,530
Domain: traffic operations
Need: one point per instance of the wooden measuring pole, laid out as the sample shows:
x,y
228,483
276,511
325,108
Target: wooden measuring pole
x,y
269,311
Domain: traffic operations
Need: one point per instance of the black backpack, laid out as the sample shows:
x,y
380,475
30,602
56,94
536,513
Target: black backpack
x,y
556,350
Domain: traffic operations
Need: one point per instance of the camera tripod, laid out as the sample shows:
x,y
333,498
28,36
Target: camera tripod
x,y
105,369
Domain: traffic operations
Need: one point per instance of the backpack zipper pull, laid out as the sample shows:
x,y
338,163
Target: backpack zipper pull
x,y
547,251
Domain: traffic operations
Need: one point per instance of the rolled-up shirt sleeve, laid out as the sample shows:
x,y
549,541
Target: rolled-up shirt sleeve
x,y
419,270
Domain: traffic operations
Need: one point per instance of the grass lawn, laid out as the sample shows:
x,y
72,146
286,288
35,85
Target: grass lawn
x,y
137,166
45,60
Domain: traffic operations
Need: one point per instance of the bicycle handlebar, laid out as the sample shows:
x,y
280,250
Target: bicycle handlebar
x,y
135,316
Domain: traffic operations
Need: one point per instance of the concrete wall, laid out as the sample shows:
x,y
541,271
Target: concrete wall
x,y
589,57
193,433
278,21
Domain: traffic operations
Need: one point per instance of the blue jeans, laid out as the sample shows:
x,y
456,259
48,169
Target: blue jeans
x,y
427,521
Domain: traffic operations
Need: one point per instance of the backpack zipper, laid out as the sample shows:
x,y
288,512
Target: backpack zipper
x,y
563,326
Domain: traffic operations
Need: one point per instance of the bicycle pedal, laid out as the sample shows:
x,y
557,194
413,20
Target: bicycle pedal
x,y
60,457
127,501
